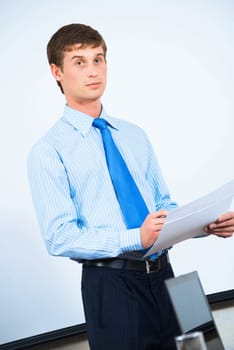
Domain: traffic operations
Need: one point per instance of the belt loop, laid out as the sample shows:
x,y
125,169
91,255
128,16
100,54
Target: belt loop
x,y
124,265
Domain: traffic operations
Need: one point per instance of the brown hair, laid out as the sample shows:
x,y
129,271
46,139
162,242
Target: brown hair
x,y
66,39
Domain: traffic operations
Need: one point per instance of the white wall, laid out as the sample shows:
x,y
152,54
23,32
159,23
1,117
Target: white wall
x,y
171,71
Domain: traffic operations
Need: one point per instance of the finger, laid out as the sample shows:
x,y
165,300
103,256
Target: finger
x,y
227,229
228,224
159,220
223,234
224,223
161,213
157,225
226,216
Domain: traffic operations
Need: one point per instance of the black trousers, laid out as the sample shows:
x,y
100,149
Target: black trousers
x,y
128,310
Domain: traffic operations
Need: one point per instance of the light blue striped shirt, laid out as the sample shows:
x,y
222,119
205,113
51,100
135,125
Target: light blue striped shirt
x,y
77,210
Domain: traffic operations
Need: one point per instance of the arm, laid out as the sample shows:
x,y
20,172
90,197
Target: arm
x,y
64,230
158,185
154,222
222,227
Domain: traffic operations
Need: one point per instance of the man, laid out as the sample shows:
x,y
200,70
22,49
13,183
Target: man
x,y
80,212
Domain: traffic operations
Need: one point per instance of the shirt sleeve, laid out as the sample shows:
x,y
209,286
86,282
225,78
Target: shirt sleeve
x,y
57,216
158,185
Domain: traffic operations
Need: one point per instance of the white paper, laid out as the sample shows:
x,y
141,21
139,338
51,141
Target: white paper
x,y
189,220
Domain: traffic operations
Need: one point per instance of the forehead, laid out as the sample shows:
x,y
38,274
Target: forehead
x,y
83,50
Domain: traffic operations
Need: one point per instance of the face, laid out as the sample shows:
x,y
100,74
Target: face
x,y
83,75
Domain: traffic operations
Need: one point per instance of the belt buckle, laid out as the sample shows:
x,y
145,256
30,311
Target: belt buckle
x,y
149,264
156,265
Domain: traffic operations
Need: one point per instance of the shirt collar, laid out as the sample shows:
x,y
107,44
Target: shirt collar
x,y
83,122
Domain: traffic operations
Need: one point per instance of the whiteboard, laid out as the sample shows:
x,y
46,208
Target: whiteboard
x,y
171,71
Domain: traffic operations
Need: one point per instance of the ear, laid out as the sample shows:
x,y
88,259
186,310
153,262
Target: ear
x,y
56,72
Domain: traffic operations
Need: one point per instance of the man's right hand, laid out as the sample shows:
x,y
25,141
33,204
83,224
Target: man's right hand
x,y
151,227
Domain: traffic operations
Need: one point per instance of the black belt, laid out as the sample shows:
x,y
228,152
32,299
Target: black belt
x,y
147,266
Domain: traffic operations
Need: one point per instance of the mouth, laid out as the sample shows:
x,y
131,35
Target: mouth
x,y
94,84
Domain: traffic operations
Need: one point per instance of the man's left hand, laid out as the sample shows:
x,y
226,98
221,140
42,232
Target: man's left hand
x,y
223,226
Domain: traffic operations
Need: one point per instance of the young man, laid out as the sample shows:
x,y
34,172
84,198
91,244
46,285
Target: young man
x,y
80,213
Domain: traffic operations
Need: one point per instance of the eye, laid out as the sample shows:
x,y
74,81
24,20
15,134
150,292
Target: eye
x,y
98,60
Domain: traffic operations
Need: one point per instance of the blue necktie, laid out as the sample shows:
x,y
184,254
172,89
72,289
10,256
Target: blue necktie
x,y
132,204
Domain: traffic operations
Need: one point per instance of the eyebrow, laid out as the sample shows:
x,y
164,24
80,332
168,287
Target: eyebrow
x,y
78,56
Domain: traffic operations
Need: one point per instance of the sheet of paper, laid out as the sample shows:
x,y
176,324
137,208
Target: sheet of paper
x,y
188,221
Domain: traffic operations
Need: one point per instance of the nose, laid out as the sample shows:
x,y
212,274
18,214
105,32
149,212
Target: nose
x,y
92,73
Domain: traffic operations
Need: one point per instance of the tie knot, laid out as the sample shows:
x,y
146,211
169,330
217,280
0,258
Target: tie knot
x,y
100,123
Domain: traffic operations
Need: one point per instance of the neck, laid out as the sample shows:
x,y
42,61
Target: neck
x,y
91,108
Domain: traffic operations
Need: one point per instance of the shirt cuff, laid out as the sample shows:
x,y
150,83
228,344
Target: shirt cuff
x,y
130,240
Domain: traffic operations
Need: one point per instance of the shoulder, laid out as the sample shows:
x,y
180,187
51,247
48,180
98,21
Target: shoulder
x,y
130,128
46,144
